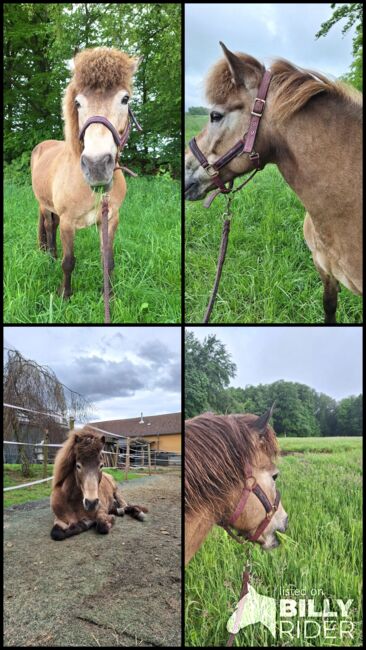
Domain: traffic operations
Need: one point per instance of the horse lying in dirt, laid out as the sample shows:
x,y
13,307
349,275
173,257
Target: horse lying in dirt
x,y
82,495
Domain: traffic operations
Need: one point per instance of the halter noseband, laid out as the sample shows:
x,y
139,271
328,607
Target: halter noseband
x,y
270,509
244,145
119,140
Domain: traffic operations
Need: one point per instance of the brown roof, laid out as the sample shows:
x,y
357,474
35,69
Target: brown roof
x,y
159,424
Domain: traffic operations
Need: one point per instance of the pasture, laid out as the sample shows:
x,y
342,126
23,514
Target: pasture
x,y
269,275
121,589
146,280
321,486
13,476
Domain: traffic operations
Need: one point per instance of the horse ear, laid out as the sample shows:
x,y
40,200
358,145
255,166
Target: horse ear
x,y
243,73
263,420
235,64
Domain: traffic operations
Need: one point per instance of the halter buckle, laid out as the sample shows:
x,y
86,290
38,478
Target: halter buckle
x,y
211,171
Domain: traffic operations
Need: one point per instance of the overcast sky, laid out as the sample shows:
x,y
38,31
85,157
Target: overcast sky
x,y
328,359
266,31
122,370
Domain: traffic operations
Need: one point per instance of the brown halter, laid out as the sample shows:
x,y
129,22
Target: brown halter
x,y
259,493
245,145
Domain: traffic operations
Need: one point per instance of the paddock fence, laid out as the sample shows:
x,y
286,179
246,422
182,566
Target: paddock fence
x,y
121,452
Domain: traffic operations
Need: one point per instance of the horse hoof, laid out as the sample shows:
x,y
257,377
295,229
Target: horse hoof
x,y
57,533
65,295
103,527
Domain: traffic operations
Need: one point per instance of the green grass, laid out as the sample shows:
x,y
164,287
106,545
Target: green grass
x,y
322,494
269,275
13,476
147,249
193,125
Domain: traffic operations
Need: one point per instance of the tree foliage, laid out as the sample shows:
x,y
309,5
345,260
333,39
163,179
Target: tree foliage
x,y
208,370
28,385
300,410
41,40
353,13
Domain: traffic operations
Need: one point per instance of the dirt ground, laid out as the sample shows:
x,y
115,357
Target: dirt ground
x,y
121,589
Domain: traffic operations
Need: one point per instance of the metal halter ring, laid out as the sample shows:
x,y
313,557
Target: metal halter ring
x,y
254,484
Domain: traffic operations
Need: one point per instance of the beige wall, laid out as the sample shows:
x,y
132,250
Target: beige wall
x,y
168,442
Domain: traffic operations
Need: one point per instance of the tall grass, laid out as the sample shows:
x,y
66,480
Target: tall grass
x,y
147,248
322,494
269,275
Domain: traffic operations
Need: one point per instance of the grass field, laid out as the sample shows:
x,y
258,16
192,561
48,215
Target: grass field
x,y
269,275
321,491
147,283
13,476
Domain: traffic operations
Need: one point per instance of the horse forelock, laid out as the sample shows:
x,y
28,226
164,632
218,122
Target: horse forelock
x,y
89,444
217,449
103,69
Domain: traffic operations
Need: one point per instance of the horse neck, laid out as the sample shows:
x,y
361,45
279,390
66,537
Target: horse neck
x,y
313,145
197,527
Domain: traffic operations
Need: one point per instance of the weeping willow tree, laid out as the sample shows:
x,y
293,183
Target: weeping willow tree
x,y
49,403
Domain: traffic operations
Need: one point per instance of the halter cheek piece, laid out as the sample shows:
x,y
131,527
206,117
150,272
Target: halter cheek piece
x,y
119,140
252,487
245,145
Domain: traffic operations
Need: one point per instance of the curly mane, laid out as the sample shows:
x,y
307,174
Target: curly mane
x,y
100,69
217,448
89,444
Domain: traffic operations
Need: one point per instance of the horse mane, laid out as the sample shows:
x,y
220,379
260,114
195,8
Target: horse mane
x,y
293,86
100,69
89,443
217,448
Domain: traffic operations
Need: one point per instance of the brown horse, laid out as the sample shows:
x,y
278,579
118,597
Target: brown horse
x,y
311,129
65,173
82,495
218,451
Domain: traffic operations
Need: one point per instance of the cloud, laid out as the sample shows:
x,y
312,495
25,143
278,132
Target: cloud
x,y
155,351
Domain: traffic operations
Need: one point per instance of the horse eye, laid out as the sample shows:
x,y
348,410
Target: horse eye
x,y
215,117
101,465
275,476
77,104
78,466
125,99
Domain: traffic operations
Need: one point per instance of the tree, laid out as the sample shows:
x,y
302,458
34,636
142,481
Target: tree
x,y
349,416
208,370
353,12
28,385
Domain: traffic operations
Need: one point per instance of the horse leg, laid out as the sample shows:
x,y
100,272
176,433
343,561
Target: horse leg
x,y
121,507
331,286
330,297
42,235
67,233
112,227
51,222
104,521
61,530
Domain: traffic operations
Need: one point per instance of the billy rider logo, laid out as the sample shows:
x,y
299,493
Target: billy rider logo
x,y
297,617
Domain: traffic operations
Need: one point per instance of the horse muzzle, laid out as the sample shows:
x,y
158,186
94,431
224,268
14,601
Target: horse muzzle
x,y
91,505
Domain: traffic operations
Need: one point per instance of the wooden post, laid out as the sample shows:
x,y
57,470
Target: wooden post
x,y
116,456
71,422
143,455
149,456
45,453
127,458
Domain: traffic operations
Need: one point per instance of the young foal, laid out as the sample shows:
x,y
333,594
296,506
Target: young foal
x,y
65,173
82,495
218,452
311,129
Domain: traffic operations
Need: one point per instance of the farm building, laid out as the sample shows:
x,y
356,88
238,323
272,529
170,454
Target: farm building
x,y
33,434
162,433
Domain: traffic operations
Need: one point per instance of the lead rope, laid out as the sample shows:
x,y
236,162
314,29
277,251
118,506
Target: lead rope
x,y
224,241
107,315
239,612
221,260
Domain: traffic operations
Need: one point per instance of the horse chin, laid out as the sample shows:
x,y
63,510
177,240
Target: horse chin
x,y
270,544
194,191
